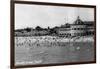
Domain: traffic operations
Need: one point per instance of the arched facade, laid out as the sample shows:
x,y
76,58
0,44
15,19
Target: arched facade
x,y
78,28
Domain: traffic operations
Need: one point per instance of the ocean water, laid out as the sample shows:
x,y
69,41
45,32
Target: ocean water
x,y
36,50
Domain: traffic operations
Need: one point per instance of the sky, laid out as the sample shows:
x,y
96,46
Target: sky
x,y
41,15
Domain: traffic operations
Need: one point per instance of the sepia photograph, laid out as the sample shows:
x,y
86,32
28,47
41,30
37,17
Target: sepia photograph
x,y
50,34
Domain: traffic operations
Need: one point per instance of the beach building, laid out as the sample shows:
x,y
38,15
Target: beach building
x,y
78,28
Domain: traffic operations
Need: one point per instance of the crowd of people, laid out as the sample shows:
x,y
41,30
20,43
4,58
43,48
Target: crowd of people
x,y
48,41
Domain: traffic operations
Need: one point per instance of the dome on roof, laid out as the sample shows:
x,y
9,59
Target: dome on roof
x,y
78,21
